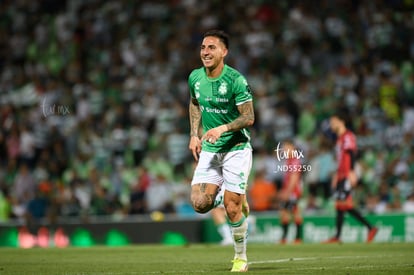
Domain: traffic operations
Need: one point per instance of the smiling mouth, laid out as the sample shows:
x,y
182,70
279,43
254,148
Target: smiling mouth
x,y
207,60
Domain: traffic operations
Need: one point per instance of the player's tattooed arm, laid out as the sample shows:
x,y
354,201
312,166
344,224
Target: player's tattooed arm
x,y
245,119
195,117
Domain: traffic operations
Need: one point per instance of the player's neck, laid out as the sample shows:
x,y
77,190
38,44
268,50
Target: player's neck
x,y
342,131
215,72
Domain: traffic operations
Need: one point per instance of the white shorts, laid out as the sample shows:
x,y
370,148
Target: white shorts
x,y
231,169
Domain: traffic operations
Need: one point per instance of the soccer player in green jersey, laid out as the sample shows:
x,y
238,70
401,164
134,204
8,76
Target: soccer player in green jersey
x,y
221,101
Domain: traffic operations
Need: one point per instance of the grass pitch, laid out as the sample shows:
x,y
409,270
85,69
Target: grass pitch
x,y
347,259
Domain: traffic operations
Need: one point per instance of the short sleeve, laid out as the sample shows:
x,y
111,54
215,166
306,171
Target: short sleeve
x,y
191,84
349,142
242,91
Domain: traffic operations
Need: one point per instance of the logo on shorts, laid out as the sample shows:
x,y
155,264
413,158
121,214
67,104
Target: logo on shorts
x,y
242,185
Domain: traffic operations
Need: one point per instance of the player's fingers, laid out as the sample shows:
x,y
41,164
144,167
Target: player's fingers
x,y
195,154
209,138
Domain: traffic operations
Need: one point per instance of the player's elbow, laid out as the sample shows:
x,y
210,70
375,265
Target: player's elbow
x,y
250,121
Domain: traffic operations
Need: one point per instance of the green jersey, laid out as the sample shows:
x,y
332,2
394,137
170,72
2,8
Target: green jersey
x,y
218,99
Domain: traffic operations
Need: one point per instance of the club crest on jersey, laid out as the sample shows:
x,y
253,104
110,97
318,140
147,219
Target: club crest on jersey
x,y
223,88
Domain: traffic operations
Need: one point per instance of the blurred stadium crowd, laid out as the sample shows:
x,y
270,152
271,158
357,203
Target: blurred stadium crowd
x,y
94,98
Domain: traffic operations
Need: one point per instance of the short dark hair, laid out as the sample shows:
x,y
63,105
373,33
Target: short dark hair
x,y
223,36
343,114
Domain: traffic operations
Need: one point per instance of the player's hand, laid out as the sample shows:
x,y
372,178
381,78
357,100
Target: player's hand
x,y
353,178
195,147
214,134
334,181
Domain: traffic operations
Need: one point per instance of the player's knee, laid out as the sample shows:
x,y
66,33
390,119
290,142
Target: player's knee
x,y
343,205
284,217
232,210
298,220
201,205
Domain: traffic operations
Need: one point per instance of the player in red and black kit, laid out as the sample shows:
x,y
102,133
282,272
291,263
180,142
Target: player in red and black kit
x,y
345,177
291,192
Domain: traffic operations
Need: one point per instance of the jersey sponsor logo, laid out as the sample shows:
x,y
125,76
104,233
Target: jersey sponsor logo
x,y
221,99
214,110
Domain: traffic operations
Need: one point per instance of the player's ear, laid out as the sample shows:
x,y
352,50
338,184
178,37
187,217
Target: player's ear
x,y
225,51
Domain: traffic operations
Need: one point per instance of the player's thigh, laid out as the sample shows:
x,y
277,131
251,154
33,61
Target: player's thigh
x,y
204,189
284,216
236,170
208,170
